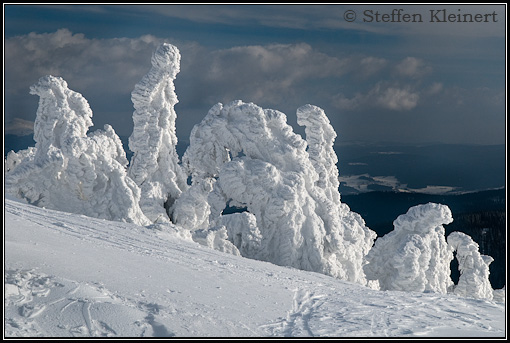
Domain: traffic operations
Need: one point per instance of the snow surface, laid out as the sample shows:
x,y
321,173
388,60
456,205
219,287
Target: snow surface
x,y
68,275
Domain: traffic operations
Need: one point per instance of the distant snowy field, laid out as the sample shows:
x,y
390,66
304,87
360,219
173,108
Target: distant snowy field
x,y
68,275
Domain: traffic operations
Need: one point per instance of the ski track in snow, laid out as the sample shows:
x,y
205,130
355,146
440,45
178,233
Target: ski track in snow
x,y
187,290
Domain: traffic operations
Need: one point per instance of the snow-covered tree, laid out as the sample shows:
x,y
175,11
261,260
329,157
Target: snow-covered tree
x,y
474,268
244,156
155,164
415,255
68,170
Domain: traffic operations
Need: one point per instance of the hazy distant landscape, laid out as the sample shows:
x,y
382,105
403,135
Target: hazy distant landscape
x,y
427,168
441,167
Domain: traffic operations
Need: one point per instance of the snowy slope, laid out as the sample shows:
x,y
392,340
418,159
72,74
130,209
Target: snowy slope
x,y
71,275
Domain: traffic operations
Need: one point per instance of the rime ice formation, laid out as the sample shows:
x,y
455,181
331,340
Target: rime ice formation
x,y
474,268
320,137
155,163
14,159
415,255
241,155
68,170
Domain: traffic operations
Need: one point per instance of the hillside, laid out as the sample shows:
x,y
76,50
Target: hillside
x,y
68,275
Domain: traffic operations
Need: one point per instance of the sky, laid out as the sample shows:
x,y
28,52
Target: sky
x,y
382,73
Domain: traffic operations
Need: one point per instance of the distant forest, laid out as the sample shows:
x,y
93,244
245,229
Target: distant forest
x,y
481,215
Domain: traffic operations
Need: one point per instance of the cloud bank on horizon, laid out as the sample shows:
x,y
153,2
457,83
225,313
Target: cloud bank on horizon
x,y
379,81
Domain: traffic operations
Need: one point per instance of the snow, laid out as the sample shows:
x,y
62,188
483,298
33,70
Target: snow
x,y
415,255
473,267
155,165
245,156
99,248
71,170
68,275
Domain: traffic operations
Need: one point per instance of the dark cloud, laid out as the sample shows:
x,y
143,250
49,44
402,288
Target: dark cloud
x,y
351,87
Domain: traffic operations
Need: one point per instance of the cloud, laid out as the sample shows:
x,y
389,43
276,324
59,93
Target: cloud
x,y
399,99
412,67
103,70
81,61
106,70
435,88
372,65
266,73
279,76
382,95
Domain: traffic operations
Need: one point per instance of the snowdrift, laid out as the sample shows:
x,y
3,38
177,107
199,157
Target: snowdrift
x,y
284,186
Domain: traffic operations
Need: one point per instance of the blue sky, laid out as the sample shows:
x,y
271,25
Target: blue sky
x,y
377,81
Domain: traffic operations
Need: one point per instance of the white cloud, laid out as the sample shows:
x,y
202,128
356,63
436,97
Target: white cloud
x,y
106,70
280,76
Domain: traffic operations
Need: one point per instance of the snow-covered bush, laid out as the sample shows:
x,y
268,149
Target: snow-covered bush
x,y
415,255
155,164
68,170
244,156
474,268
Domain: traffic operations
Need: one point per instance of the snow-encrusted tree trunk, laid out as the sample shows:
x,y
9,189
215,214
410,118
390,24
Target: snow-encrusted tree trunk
x,y
474,268
415,255
70,171
250,157
155,163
